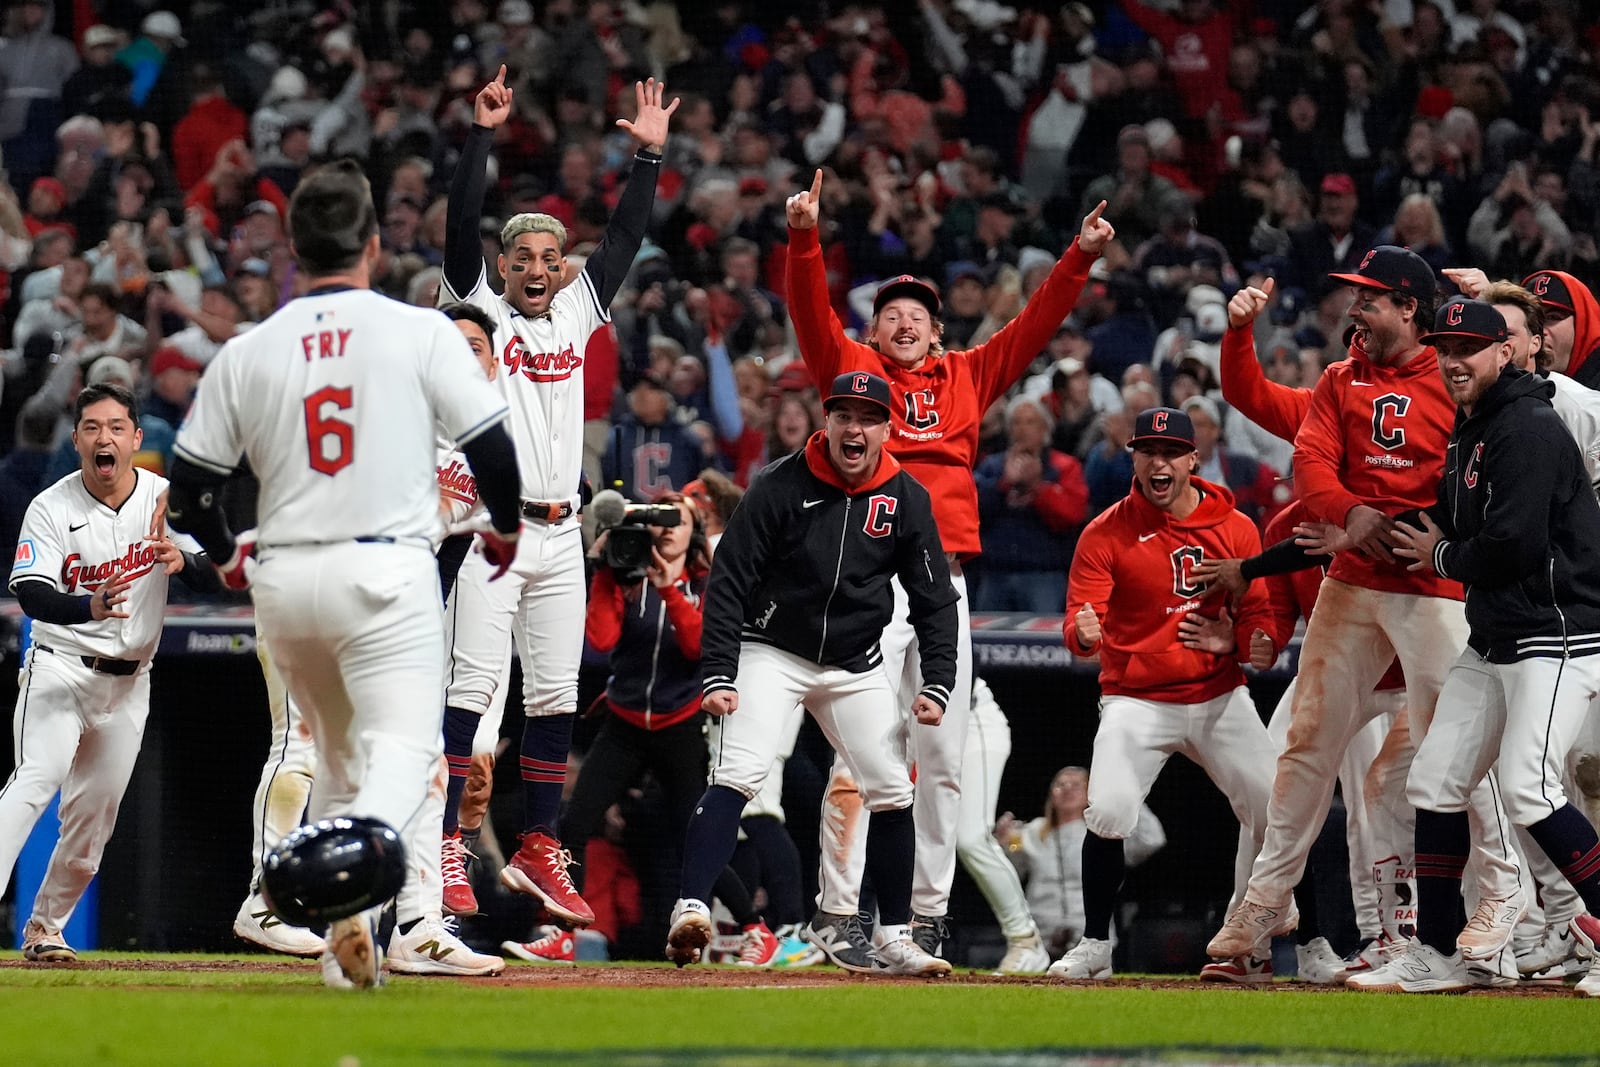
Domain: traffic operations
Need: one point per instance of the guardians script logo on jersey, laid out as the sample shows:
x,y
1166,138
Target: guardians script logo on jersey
x,y
540,366
456,481
136,562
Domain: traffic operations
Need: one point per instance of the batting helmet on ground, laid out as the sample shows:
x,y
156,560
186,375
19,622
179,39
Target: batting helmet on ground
x,y
333,869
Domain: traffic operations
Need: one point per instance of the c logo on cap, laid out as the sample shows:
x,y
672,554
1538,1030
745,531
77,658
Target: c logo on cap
x,y
858,384
1452,315
1158,422
1367,259
1541,284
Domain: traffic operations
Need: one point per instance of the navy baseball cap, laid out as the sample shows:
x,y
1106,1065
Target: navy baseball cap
x,y
859,385
1394,268
1162,424
1551,289
1460,317
906,285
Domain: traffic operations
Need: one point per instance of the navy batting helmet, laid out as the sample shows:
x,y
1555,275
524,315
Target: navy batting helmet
x,y
333,869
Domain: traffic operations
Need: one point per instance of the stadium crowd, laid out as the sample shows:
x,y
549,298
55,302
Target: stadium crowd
x,y
149,157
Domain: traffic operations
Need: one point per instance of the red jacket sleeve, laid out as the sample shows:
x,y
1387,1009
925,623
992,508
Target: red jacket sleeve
x,y
816,328
1063,503
685,617
1157,24
602,623
1000,360
1277,409
1318,455
1089,582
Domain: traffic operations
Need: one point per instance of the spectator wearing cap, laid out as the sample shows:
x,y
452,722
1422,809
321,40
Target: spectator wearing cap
x,y
47,199
100,76
1335,241
254,289
155,86
35,65
1255,486
1032,501
1070,403
1134,196
211,122
170,382
648,452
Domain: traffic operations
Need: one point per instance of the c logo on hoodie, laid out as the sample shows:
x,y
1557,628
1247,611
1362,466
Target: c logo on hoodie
x,y
1469,477
1184,561
880,509
1387,411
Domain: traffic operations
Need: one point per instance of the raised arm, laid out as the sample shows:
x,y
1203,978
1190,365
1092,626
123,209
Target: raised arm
x,y
1278,409
817,329
463,248
625,233
1000,361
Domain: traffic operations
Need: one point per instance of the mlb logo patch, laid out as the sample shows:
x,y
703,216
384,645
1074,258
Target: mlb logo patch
x,y
25,556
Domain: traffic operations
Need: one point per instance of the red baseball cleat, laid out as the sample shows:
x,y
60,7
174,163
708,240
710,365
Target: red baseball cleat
x,y
556,946
539,869
459,898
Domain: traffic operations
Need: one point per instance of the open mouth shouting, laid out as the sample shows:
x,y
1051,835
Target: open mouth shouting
x,y
105,463
1161,483
854,451
536,289
905,340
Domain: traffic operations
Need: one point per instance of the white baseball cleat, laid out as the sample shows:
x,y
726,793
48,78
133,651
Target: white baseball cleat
x,y
1369,956
1415,968
1589,985
1317,964
1490,928
899,953
260,926
1089,959
433,948
1024,955
1551,951
353,959
1250,929
40,944
689,932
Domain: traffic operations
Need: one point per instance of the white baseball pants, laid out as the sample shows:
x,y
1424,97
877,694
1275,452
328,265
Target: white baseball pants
x,y
539,603
77,731
1519,718
423,892
983,763
285,785
855,711
356,632
1369,835
1224,736
1352,637
936,751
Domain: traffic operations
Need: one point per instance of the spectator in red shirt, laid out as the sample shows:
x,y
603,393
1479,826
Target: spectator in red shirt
x,y
211,122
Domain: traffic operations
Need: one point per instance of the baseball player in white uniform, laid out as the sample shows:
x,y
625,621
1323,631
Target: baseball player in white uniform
x,y
543,329
984,761
798,600
91,571
335,400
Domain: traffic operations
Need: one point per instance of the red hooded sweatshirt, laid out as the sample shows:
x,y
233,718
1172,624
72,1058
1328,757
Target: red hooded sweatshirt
x,y
1560,289
1133,563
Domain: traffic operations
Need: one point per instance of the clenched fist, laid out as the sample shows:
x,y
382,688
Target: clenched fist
x,y
1247,304
1262,653
1088,625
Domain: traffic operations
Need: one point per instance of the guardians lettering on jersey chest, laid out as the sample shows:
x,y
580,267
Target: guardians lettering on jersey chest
x,y
135,562
539,366
457,481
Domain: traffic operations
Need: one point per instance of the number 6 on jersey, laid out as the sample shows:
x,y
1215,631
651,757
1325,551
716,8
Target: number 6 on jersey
x,y
329,456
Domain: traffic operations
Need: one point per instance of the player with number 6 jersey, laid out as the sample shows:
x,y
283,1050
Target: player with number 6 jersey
x,y
336,399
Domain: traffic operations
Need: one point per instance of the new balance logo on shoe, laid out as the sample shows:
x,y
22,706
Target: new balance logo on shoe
x,y
435,951
266,919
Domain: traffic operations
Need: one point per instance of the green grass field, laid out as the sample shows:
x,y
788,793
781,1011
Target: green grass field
x,y
280,1014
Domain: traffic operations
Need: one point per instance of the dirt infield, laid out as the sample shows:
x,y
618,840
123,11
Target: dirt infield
x,y
636,976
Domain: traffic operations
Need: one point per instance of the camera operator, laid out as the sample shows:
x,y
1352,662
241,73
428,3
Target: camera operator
x,y
650,626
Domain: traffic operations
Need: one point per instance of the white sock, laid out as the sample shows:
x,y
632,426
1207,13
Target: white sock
x,y
890,934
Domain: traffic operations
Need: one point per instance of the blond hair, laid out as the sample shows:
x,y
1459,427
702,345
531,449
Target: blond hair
x,y
533,222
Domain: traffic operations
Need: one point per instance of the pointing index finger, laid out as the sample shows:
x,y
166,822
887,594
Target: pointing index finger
x,y
816,185
500,78
1094,216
